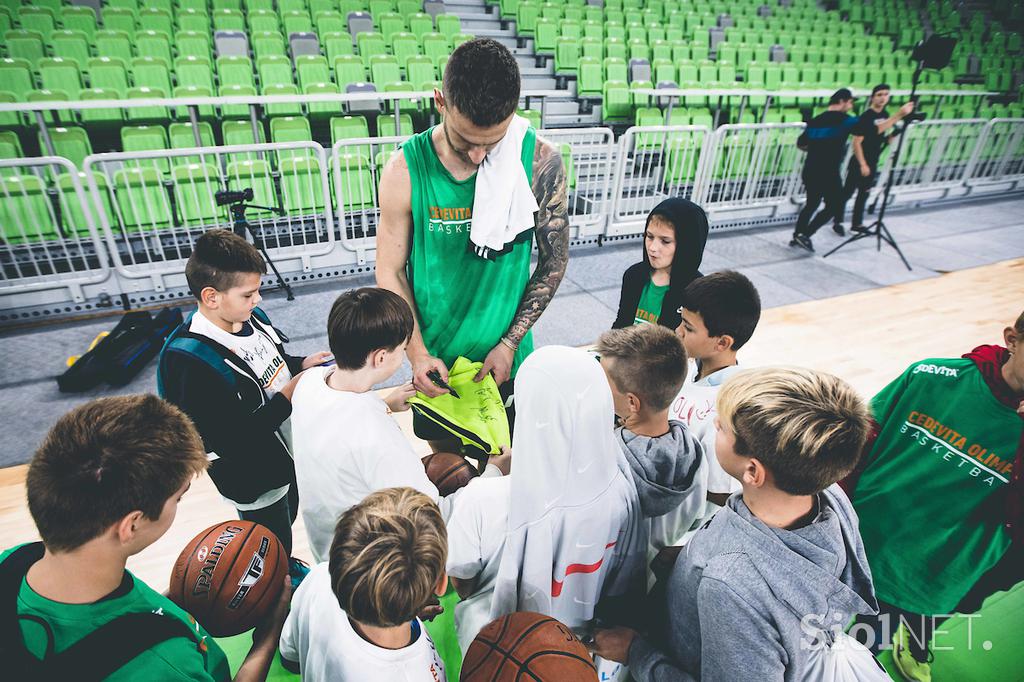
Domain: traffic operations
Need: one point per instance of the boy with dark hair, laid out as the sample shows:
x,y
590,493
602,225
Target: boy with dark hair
x,y
456,234
227,369
387,560
646,366
347,445
719,314
940,493
763,590
104,485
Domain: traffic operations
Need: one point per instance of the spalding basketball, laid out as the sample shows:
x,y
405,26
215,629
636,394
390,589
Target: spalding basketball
x,y
230,577
448,471
527,646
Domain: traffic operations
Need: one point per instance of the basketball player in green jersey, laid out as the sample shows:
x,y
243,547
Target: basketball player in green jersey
x,y
465,304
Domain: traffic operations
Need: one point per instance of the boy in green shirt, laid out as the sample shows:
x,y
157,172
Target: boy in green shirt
x,y
104,485
936,495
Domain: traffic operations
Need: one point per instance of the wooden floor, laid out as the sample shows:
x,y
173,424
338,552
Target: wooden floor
x,y
867,338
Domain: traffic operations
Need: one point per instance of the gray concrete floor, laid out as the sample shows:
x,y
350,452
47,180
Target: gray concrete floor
x,y
935,240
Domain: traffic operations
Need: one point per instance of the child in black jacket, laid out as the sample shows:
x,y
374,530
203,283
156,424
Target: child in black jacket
x,y
227,369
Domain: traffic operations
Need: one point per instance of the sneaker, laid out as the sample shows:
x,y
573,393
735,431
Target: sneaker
x,y
861,229
803,241
908,666
838,229
298,570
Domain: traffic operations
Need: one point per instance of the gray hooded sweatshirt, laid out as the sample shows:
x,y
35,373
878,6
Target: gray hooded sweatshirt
x,y
670,474
740,589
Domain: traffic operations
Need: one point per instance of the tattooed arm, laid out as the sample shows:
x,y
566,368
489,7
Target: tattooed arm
x,y
552,232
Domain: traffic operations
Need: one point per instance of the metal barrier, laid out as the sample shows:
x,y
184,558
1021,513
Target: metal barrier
x,y
753,171
999,159
587,154
51,249
152,205
935,160
655,163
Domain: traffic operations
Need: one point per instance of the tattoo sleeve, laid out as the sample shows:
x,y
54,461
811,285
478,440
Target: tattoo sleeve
x,y
549,187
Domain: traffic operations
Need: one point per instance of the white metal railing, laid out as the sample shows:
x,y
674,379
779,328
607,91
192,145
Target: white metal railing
x,y
126,223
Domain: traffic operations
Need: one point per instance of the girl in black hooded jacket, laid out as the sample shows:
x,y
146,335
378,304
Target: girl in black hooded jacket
x,y
652,290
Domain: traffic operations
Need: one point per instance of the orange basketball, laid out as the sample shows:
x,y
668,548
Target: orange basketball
x,y
230,576
448,471
527,646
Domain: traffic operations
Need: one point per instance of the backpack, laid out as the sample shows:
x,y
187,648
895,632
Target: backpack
x,y
94,657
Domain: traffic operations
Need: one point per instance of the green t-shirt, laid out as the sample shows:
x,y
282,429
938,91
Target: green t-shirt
x,y
648,310
466,303
178,658
932,501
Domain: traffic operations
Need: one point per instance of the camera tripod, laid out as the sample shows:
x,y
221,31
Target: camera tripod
x,y
242,225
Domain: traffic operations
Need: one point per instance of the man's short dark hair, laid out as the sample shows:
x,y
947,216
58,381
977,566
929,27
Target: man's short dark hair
x,y
363,320
217,260
728,303
649,362
481,80
841,95
106,459
878,88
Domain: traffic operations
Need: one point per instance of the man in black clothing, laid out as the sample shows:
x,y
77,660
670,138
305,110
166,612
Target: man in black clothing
x,y
824,139
868,139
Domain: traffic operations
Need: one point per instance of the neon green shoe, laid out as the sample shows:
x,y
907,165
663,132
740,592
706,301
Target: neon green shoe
x,y
909,667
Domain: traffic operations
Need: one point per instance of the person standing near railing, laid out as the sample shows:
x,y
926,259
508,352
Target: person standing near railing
x,y
460,207
869,136
824,140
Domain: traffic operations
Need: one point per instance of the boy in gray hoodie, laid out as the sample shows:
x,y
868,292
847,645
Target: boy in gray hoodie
x,y
781,568
646,366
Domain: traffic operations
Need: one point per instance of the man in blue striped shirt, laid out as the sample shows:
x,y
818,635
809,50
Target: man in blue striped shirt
x,y
824,139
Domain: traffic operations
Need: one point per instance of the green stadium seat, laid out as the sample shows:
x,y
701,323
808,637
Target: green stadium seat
x,y
384,69
145,138
370,44
193,44
274,70
195,185
153,44
592,47
8,119
155,19
615,69
527,14
377,7
52,117
435,46
390,23
355,183
182,136
153,76
10,148
235,110
301,185
663,71
60,74
16,77
420,71
235,71
615,47
71,143
115,44
194,20
141,199
267,44
403,46
194,71
448,25
329,22
290,108
568,28
406,7
386,126
72,209
349,128
228,20
590,77
133,5
312,69
322,110
70,45
264,21
420,24
240,132
593,29
119,19
290,129
253,174
567,55
191,4
79,19
639,49
42,20
349,69
109,74
572,13
25,211
296,22
27,45
551,10
545,35
616,100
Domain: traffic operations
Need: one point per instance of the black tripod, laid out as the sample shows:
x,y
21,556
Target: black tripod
x,y
242,225
877,229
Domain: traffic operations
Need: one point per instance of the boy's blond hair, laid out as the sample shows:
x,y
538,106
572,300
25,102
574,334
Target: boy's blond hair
x,y
807,427
388,553
648,361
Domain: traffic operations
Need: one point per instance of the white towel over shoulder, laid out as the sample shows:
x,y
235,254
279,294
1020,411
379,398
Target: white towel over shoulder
x,y
503,205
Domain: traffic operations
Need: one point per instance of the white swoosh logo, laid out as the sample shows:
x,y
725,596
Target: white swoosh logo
x,y
584,468
542,425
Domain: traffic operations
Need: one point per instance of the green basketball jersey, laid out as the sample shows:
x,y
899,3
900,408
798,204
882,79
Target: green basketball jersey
x,y
466,303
